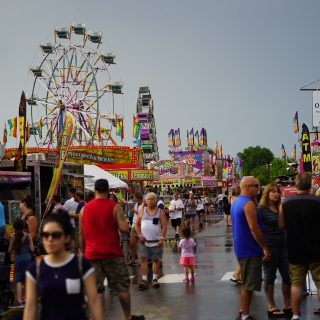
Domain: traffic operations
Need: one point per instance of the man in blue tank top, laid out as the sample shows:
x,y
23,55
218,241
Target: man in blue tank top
x,y
249,244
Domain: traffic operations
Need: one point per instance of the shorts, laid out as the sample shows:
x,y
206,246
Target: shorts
x,y
115,270
153,253
207,204
200,211
251,273
133,232
176,222
278,260
298,273
190,216
73,233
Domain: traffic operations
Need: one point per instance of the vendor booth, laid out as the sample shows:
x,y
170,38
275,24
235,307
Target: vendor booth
x,y
98,173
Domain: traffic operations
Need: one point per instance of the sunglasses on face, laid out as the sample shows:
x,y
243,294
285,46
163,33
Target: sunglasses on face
x,y
55,235
254,185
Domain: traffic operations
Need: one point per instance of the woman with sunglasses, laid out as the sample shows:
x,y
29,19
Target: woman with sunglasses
x,y
277,243
61,278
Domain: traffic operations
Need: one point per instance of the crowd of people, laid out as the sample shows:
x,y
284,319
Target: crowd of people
x,y
273,235
82,242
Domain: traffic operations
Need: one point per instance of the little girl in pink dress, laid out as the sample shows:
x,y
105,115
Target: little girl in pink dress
x,y
187,256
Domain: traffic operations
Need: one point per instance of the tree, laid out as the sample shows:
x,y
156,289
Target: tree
x,y
255,157
278,167
262,173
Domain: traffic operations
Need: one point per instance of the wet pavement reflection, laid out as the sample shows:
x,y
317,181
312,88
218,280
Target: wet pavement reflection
x,y
211,296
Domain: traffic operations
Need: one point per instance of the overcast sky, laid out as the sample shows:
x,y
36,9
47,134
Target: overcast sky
x,y
233,67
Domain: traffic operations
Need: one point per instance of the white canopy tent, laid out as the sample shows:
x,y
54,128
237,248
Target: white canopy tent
x,y
98,173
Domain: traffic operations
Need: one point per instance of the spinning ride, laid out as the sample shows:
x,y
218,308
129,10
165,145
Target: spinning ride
x,y
148,132
75,79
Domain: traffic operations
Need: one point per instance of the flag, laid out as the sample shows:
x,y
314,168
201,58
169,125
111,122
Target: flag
x,y
295,123
315,134
13,127
64,143
205,137
177,140
39,128
119,127
220,150
283,152
89,126
196,135
187,137
5,134
122,129
74,131
26,135
99,131
136,127
294,153
170,138
191,138
216,148
201,139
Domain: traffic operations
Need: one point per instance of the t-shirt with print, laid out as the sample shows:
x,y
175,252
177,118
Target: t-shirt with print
x,y
187,246
60,288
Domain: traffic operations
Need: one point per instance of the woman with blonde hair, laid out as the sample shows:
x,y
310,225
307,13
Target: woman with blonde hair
x,y
277,243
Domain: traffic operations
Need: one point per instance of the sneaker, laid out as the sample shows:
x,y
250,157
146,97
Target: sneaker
x,y
137,317
192,279
186,280
177,236
155,283
16,305
143,285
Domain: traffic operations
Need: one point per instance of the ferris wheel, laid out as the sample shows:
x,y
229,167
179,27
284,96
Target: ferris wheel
x,y
73,78
148,132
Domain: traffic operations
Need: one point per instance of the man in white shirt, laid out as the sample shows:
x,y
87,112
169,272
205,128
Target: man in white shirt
x,y
71,206
176,208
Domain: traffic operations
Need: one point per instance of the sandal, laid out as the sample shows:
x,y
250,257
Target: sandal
x,y
287,311
131,263
316,310
237,281
274,314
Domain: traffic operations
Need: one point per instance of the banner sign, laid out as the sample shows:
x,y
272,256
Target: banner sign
x,y
155,175
166,167
14,177
306,155
193,181
315,152
193,160
171,181
207,183
141,175
120,174
316,108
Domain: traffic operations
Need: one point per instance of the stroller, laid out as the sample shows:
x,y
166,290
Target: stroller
x,y
6,295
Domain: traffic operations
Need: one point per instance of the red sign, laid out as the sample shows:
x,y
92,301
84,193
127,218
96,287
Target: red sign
x,y
288,191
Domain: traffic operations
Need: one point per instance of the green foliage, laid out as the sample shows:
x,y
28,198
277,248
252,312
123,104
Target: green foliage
x,y
255,158
278,167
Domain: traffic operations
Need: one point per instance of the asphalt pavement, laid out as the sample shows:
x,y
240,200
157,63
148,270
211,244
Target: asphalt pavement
x,y
212,295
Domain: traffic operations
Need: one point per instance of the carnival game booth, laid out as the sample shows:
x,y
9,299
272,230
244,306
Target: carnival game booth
x,y
13,187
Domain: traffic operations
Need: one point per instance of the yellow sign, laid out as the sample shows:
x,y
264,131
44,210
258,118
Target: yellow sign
x,y
171,181
120,174
155,174
194,181
141,175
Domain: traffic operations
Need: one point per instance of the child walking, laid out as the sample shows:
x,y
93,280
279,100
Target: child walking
x,y
187,260
19,244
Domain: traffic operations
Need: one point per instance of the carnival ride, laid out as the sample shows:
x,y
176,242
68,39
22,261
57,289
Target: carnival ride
x,y
75,79
148,132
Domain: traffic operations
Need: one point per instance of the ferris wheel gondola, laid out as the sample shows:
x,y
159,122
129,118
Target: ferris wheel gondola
x,y
73,78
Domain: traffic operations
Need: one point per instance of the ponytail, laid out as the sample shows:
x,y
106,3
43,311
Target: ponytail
x,y
18,225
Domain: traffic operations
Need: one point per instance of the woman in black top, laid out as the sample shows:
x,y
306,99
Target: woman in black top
x,y
277,244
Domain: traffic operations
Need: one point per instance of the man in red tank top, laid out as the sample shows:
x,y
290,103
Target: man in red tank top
x,y
99,223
